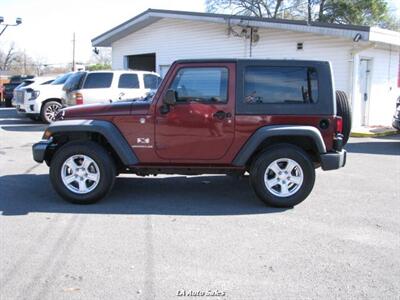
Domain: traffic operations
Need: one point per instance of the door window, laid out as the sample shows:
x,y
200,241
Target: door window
x,y
98,80
276,85
128,81
209,85
151,81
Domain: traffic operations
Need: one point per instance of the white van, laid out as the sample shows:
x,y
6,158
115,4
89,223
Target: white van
x,y
109,86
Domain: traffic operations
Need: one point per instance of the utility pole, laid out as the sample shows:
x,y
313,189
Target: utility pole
x,y
24,62
73,53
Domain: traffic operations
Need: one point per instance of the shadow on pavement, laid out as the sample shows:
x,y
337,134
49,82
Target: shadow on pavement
x,y
382,145
180,195
39,127
15,122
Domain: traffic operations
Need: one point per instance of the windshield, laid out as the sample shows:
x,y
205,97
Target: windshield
x,y
25,83
61,79
74,81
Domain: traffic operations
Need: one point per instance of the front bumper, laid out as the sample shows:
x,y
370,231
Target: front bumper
x,y
39,150
20,109
333,160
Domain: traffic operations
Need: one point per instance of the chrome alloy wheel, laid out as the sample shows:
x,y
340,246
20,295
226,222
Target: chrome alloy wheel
x,y
283,177
51,112
80,174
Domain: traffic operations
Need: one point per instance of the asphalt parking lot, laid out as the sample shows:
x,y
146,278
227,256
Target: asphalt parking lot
x,y
155,237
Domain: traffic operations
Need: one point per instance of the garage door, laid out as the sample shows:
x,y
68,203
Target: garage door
x,y
144,62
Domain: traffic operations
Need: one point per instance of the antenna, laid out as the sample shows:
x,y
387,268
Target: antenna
x,y
73,52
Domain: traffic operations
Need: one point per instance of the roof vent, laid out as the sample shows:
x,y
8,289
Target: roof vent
x,y
299,46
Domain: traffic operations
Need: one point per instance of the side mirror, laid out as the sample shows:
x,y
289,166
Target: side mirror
x,y
170,97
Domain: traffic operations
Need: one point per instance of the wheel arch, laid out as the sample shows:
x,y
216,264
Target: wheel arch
x,y
100,131
306,137
42,103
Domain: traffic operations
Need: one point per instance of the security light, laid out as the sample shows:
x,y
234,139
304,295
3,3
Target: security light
x,y
1,19
18,21
357,37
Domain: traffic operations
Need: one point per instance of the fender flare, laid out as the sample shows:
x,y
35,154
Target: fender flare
x,y
266,132
111,133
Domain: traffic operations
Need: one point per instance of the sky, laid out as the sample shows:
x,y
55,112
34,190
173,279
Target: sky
x,y
48,25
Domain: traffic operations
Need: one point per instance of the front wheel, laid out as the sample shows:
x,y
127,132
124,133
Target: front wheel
x,y
50,110
82,172
282,176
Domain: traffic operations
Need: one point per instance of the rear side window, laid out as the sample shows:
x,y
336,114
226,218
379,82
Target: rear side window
x,y
201,84
98,80
128,81
151,81
280,85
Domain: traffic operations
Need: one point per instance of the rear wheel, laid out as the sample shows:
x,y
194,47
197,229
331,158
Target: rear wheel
x,y
50,110
82,172
344,111
282,175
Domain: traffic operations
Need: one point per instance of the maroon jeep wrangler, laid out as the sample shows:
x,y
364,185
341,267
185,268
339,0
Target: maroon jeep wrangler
x,y
278,120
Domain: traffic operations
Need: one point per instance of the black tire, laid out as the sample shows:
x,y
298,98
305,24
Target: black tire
x,y
344,110
106,168
282,151
54,106
35,118
8,102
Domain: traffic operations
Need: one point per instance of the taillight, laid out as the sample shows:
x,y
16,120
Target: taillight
x,y
78,99
339,124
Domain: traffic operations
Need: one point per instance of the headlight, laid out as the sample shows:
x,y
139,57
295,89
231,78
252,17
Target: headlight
x,y
34,95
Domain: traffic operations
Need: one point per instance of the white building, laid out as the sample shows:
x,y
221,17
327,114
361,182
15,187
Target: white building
x,y
365,59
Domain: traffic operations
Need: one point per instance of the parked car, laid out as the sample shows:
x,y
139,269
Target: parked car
x,y
396,117
9,87
275,119
28,89
109,86
43,101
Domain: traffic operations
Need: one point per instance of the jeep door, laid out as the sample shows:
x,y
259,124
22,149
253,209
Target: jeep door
x,y
200,126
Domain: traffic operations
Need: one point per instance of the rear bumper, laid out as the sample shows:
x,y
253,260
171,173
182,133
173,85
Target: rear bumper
x,y
333,160
39,150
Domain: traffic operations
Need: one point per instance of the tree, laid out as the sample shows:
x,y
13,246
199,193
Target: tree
x,y
100,60
358,12
258,8
7,58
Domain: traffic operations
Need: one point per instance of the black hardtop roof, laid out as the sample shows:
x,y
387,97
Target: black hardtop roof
x,y
235,60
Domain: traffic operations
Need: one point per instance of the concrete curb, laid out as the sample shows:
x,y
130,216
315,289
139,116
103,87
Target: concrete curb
x,y
374,134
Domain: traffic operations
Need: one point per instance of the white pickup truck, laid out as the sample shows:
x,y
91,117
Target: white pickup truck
x,y
41,101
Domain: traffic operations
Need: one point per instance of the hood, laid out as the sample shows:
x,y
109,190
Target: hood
x,y
108,109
